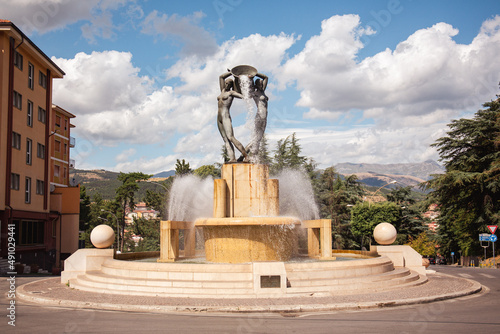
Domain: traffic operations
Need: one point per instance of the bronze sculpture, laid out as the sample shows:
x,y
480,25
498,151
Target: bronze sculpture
x,y
231,89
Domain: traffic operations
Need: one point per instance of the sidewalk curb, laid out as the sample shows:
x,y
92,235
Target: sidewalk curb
x,y
25,296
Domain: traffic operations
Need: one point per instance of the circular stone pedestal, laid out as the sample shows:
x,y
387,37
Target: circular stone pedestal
x,y
249,239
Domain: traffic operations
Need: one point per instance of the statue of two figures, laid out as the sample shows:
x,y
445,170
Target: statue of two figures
x,y
242,87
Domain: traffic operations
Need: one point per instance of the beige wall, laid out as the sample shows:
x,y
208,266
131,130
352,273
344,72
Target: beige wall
x,y
66,200
36,171
70,224
4,83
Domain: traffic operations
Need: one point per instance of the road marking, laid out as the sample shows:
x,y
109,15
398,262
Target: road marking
x,y
465,275
487,275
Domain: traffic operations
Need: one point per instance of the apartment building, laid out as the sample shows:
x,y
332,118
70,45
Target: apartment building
x,y
34,139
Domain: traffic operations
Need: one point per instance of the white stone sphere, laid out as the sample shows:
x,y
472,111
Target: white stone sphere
x,y
385,234
102,236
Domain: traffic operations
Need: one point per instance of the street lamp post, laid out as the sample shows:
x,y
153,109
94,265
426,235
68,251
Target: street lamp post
x,y
380,188
117,229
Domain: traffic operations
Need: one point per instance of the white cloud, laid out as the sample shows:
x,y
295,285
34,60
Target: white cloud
x,y
426,74
125,155
43,16
407,94
99,81
115,104
197,41
328,146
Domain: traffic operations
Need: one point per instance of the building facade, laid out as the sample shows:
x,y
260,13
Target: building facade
x,y
27,143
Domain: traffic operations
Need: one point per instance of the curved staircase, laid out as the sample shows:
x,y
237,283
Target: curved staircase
x,y
321,278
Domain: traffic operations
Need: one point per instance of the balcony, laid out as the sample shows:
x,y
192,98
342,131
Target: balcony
x,y
72,141
71,163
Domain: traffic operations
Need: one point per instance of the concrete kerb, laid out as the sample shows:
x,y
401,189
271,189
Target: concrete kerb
x,y
26,296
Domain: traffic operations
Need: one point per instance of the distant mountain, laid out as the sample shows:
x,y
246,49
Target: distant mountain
x,y
421,170
97,181
105,182
378,180
165,174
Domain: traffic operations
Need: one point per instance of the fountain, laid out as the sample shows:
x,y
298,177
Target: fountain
x,y
250,249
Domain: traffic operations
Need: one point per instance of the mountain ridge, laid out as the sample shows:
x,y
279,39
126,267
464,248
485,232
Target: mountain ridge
x,y
421,170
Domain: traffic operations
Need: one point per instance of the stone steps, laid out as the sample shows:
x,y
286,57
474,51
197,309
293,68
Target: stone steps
x,y
98,276
401,277
329,281
87,283
237,281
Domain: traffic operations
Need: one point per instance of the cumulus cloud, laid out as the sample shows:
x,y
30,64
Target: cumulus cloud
x,y
100,81
43,16
197,41
427,73
116,104
406,95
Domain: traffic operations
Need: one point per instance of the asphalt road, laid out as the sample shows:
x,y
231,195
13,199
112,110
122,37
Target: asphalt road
x,y
473,314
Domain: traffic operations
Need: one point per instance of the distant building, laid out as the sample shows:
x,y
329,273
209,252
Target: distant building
x,y
432,214
40,205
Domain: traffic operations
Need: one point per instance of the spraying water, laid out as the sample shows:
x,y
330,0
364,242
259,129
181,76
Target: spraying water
x,y
297,195
191,197
247,88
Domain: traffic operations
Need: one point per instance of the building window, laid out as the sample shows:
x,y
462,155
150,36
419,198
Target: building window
x,y
27,188
65,149
57,146
16,140
30,113
18,100
57,170
42,115
31,75
65,173
40,151
40,187
29,150
29,232
58,121
18,60
14,181
42,80
65,125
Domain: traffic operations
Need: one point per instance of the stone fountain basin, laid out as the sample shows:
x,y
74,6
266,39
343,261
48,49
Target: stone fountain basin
x,y
249,239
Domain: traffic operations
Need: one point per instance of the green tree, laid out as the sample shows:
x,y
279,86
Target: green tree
x,y
365,216
157,201
84,209
182,167
411,222
423,245
149,231
264,155
125,198
468,193
157,198
287,155
95,218
224,154
336,196
208,170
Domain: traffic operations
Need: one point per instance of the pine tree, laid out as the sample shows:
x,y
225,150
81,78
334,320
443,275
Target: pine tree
x,y
469,191
182,167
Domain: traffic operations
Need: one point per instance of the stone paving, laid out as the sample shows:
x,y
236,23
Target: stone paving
x,y
439,287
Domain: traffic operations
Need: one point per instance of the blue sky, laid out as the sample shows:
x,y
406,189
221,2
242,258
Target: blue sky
x,y
357,81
